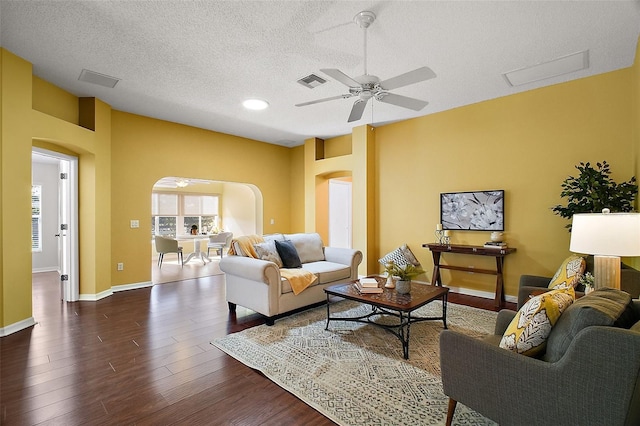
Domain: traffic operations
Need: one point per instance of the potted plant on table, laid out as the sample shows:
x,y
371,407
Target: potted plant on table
x,y
405,274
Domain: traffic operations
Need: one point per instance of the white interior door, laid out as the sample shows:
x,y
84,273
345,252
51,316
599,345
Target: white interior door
x,y
340,213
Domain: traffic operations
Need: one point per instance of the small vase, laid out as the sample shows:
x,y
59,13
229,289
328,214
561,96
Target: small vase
x,y
497,237
390,282
403,287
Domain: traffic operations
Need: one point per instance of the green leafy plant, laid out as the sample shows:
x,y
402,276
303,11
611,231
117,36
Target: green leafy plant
x,y
593,190
403,272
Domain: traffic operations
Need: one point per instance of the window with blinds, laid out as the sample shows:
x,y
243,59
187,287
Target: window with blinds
x,y
36,217
176,213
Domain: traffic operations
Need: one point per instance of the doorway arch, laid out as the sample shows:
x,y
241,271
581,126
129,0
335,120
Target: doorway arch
x,y
240,211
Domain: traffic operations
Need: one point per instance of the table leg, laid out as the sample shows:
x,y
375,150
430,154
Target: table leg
x,y
499,300
326,327
405,343
435,279
444,309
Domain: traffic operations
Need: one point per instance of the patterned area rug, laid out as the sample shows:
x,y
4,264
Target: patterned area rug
x,y
354,373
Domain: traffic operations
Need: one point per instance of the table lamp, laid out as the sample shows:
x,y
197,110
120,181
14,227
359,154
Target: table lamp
x,y
607,236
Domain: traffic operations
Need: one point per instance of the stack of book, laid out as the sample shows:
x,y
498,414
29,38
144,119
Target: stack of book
x,y
368,285
495,244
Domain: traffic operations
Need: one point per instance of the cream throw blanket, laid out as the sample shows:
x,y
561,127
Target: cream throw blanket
x,y
299,279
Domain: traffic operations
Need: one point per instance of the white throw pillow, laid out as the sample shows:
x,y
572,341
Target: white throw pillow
x,y
308,245
268,251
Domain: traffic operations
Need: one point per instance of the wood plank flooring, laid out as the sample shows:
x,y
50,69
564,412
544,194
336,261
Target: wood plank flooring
x,y
141,357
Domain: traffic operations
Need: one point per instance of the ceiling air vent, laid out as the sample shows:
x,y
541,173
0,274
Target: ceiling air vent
x,y
311,81
97,78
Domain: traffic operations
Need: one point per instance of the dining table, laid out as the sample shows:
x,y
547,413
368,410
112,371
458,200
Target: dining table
x,y
197,252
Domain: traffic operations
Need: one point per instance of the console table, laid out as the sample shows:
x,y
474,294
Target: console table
x,y
498,253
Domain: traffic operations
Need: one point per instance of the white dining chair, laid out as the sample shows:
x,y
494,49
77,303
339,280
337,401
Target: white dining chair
x,y
167,245
219,242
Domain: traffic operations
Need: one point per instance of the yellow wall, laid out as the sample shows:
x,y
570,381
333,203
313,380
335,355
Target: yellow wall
x,y
15,189
526,144
145,149
54,101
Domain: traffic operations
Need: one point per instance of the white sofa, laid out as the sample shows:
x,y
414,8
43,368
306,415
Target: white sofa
x,y
257,284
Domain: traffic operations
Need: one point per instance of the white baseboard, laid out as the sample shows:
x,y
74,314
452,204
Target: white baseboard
x,y
478,293
20,325
133,286
114,289
95,297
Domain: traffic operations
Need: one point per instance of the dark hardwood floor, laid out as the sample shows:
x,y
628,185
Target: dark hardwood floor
x,y
142,357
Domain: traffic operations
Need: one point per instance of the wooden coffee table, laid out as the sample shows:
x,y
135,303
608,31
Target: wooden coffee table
x,y
391,303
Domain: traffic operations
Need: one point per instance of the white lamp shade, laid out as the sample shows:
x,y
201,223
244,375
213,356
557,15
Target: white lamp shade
x,y
612,234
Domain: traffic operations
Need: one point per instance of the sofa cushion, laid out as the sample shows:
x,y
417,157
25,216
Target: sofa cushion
x,y
268,251
288,254
528,331
328,271
400,256
636,327
600,307
273,237
569,273
308,245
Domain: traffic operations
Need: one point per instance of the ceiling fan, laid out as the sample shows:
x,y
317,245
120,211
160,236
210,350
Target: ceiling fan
x,y
368,86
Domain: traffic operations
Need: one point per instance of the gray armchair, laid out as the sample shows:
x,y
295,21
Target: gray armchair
x,y
629,282
595,382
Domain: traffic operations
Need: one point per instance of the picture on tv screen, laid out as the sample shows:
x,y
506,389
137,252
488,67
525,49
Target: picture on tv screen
x,y
472,211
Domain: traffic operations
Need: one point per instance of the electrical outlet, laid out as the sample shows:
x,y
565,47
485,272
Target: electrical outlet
x,y
135,224
120,266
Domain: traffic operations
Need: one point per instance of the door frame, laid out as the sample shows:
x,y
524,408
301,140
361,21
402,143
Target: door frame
x,y
70,289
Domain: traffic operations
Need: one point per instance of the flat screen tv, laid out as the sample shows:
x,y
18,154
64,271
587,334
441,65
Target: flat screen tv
x,y
472,211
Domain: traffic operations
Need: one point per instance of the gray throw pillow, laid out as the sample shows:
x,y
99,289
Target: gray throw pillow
x,y
288,254
601,307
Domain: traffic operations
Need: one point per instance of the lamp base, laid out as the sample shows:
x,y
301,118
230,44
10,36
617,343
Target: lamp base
x,y
606,271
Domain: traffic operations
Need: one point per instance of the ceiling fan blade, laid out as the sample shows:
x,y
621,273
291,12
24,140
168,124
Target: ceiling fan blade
x,y
411,77
403,101
357,110
341,77
317,101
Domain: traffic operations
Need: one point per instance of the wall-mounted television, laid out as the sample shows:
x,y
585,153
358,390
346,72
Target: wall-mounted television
x,y
472,211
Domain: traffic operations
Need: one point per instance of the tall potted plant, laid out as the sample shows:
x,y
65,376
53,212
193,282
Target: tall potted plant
x,y
593,190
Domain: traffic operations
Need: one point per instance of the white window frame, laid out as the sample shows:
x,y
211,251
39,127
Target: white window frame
x,y
183,211
36,239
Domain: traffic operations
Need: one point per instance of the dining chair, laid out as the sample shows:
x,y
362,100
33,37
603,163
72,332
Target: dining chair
x,y
219,242
167,245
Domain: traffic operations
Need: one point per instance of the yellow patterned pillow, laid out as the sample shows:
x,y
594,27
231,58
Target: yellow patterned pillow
x,y
569,272
528,331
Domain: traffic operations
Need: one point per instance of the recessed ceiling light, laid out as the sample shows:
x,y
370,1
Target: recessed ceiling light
x,y
255,104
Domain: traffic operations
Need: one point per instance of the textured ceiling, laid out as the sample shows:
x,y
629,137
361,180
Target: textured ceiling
x,y
194,62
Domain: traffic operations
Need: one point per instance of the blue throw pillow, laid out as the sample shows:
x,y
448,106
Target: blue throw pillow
x,y
288,254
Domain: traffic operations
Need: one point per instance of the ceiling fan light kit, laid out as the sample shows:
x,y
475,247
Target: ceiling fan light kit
x,y
369,86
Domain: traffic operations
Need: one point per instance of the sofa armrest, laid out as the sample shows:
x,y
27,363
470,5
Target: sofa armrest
x,y
344,256
528,284
470,366
251,269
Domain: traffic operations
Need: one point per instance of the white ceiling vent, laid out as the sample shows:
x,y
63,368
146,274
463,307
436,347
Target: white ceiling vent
x,y
559,66
99,79
311,81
